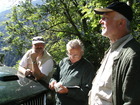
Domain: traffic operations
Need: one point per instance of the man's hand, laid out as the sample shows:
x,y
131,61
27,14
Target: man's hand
x,y
28,72
59,88
63,90
51,85
34,56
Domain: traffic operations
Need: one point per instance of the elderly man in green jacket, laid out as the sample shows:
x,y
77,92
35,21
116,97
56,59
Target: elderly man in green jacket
x,y
72,80
118,79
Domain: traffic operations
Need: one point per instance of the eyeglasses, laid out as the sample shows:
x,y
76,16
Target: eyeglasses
x,y
73,55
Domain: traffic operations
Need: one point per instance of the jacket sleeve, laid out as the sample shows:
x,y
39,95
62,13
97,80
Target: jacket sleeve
x,y
131,84
56,73
82,92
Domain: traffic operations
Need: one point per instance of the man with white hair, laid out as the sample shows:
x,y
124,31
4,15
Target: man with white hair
x,y
37,62
72,79
118,79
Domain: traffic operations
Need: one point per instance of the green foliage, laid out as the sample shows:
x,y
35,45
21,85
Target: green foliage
x,y
60,21
136,21
60,50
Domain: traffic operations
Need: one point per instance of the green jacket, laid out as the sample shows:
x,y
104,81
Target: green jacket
x,y
79,74
126,75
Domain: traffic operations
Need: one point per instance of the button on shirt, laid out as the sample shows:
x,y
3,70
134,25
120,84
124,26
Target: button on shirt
x,y
101,92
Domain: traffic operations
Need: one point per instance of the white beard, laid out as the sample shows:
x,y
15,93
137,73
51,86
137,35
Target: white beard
x,y
103,32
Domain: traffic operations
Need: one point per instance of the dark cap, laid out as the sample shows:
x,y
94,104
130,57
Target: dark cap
x,y
120,7
38,39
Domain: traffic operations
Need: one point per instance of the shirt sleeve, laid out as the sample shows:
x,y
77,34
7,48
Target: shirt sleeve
x,y
24,60
47,67
56,75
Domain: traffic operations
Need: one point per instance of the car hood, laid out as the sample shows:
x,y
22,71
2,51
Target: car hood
x,y
17,88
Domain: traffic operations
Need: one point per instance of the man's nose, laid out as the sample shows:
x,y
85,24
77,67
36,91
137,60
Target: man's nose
x,y
101,21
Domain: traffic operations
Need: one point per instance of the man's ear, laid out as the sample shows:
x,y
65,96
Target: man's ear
x,y
82,52
122,22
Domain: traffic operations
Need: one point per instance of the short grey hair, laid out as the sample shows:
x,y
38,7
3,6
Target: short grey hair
x,y
120,16
75,43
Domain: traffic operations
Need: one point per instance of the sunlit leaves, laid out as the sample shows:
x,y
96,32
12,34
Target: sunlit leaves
x,y
60,21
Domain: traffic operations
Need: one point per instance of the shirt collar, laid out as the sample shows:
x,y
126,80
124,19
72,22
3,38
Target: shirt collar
x,y
115,45
75,62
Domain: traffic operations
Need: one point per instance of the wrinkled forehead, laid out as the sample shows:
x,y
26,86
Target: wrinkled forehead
x,y
74,50
110,15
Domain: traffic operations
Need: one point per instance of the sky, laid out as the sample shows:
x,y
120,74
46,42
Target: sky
x,y
7,4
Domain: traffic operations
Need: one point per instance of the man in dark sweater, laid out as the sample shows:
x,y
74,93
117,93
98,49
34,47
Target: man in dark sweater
x,y
72,79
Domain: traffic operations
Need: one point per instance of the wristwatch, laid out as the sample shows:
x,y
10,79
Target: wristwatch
x,y
34,62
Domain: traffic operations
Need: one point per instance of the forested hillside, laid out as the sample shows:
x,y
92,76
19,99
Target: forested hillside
x,y
10,57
